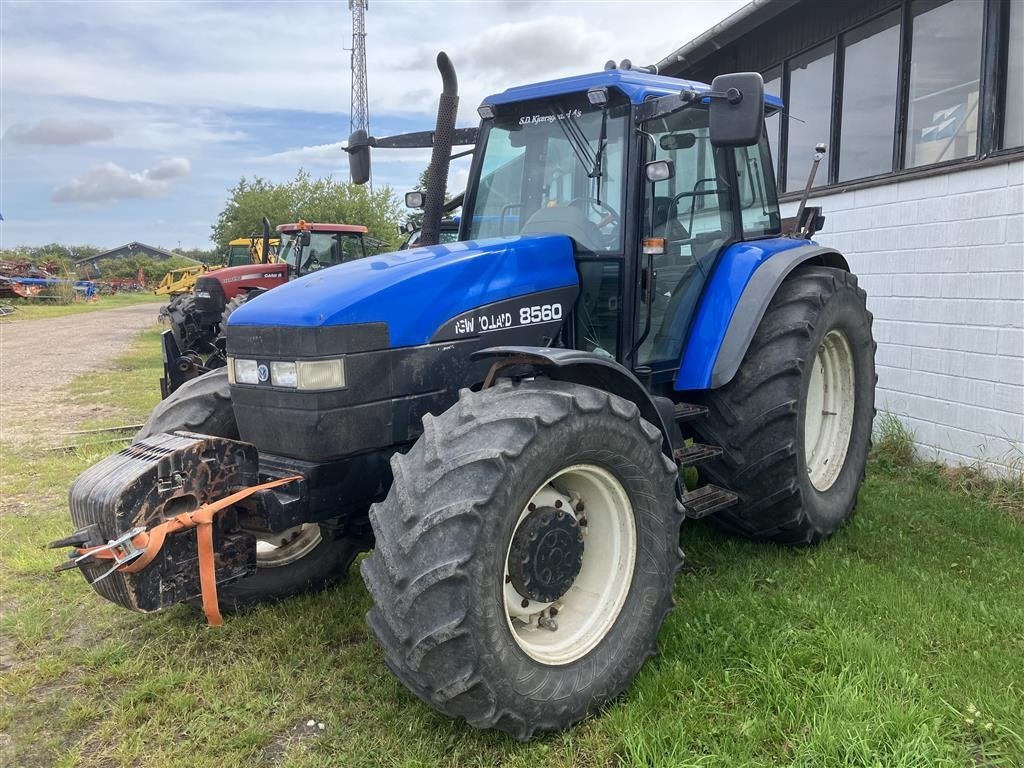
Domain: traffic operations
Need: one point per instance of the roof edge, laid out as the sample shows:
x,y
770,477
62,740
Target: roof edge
x,y
724,32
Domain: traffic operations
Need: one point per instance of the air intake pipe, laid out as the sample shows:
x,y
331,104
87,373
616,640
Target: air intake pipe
x,y
440,156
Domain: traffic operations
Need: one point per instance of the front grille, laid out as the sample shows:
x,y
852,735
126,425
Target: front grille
x,y
209,295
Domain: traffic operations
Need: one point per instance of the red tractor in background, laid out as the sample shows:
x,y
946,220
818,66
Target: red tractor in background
x,y
194,344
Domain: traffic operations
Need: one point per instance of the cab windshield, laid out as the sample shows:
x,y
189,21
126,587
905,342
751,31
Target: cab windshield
x,y
239,254
555,166
325,249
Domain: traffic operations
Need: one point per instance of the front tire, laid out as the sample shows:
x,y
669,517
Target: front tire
x,y
451,555
307,558
795,421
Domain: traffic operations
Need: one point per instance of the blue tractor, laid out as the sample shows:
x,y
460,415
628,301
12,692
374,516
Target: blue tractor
x,y
505,420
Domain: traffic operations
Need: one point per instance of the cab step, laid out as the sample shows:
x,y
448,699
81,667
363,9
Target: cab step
x,y
688,411
707,500
692,455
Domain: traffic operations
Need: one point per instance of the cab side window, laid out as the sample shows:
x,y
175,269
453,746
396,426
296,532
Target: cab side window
x,y
759,205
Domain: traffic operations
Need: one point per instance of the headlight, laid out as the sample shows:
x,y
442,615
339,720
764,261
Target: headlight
x,y
283,374
245,372
320,374
301,374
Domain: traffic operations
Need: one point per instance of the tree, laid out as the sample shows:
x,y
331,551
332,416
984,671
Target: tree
x,y
324,200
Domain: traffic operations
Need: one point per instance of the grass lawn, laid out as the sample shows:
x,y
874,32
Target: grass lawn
x,y
899,642
34,309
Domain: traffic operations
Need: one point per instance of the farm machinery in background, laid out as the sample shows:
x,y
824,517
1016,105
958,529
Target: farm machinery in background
x,y
179,284
194,343
505,420
181,281
23,279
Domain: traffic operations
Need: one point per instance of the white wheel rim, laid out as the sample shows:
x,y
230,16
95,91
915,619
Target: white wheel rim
x,y
588,610
274,550
828,417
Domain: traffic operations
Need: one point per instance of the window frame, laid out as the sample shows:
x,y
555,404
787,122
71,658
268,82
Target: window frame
x,y
993,63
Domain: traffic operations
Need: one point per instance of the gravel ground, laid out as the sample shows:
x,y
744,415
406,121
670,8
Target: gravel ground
x,y
39,358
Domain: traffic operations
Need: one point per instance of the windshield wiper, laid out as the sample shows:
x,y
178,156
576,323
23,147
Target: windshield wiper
x,y
574,135
602,141
580,144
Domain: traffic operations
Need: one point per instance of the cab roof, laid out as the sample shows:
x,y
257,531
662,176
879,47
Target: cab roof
x,y
637,86
313,227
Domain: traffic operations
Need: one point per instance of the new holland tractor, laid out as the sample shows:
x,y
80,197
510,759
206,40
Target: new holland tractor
x,y
504,419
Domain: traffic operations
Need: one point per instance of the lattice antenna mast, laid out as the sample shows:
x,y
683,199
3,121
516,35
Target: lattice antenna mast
x,y
360,114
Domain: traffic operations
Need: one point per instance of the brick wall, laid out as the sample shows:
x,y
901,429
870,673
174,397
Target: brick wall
x,y
942,260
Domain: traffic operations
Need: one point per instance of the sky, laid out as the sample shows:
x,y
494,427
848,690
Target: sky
x,y
131,121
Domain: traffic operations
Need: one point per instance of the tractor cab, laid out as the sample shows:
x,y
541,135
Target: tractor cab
x,y
248,250
308,247
631,166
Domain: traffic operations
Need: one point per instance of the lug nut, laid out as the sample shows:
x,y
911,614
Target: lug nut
x,y
553,611
508,578
579,507
530,507
525,603
558,504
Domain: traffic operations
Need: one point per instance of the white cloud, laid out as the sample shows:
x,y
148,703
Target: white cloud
x,y
319,154
109,182
58,131
170,168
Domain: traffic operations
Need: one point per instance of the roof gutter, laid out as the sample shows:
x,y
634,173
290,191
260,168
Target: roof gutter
x,y
748,17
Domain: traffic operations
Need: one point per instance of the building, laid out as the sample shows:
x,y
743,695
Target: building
x,y
920,103
134,249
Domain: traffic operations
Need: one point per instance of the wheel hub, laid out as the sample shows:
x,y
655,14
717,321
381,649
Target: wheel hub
x,y
546,554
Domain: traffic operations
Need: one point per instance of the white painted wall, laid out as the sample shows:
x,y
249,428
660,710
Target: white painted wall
x,y
942,260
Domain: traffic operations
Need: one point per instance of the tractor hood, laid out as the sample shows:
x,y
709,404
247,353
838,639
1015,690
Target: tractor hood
x,y
247,273
415,291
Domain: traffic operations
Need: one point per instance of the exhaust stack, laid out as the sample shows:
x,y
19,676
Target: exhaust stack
x,y
440,156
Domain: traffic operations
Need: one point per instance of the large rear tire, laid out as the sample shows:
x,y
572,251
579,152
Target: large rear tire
x,y
503,472
795,421
307,558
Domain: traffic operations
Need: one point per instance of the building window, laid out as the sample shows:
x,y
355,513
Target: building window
x,y
945,69
773,85
870,80
810,110
1013,127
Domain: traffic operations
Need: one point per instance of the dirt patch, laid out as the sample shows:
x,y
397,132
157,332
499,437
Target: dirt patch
x,y
39,358
296,738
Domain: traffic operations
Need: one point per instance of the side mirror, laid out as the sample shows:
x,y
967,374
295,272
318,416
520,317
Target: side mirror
x,y
737,109
673,141
414,199
659,170
305,238
359,156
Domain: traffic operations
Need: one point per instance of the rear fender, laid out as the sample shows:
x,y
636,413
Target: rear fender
x,y
585,368
735,300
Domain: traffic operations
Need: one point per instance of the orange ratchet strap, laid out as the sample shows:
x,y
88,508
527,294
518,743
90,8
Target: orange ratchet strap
x,y
151,541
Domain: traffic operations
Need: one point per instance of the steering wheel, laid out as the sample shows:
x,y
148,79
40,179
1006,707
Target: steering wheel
x,y
611,216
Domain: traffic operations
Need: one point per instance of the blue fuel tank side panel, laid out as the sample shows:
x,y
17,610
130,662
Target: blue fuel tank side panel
x,y
417,290
721,297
